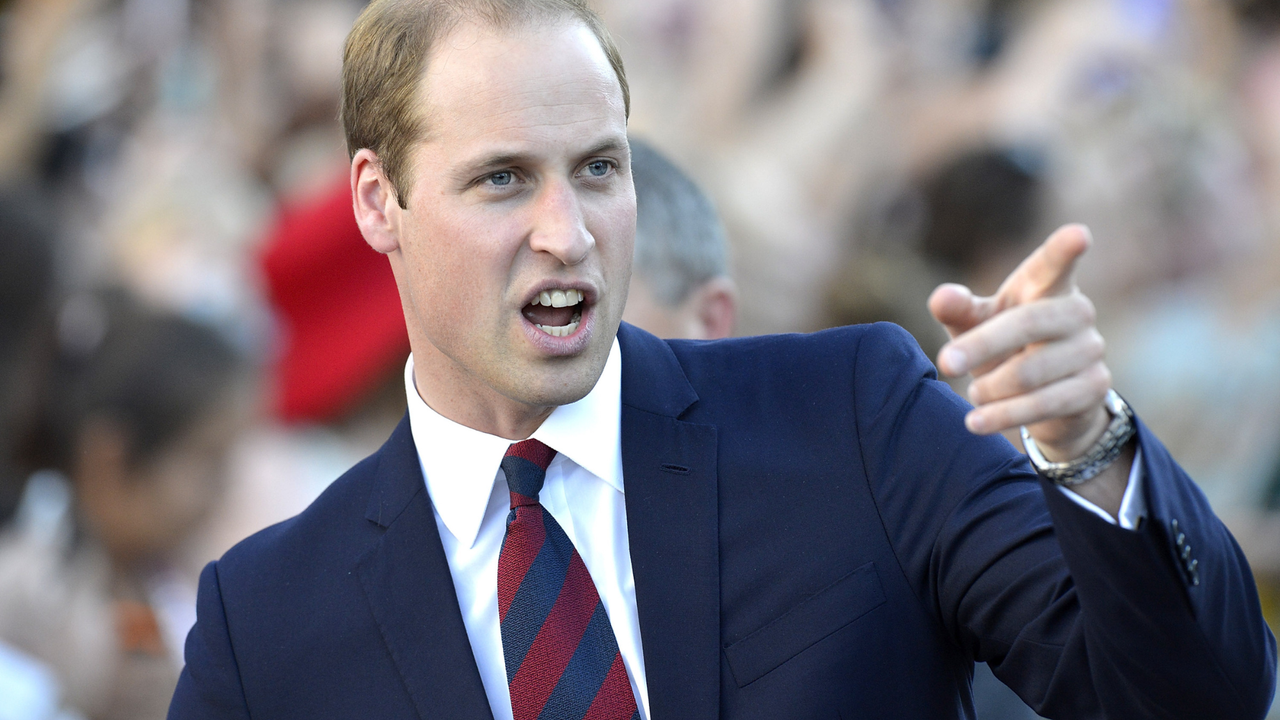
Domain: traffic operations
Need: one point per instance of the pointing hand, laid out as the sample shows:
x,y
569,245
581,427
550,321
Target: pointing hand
x,y
1033,349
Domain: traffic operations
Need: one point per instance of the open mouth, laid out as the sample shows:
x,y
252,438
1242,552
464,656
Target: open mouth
x,y
555,312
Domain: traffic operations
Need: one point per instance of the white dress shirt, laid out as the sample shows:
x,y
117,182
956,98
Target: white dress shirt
x,y
583,491
1133,504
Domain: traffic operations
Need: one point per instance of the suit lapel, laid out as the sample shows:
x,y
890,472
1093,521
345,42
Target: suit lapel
x,y
406,578
669,471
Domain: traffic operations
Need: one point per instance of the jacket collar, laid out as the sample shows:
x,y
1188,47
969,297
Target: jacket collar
x,y
406,579
652,379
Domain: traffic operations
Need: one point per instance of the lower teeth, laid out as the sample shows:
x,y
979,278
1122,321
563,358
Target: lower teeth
x,y
559,330
562,330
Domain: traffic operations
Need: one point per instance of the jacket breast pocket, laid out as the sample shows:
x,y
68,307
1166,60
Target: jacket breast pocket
x,y
818,616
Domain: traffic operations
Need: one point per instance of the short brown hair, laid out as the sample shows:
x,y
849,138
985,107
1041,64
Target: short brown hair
x,y
385,56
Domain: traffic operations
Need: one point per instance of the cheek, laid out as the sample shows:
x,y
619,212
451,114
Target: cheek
x,y
613,226
185,487
185,494
460,269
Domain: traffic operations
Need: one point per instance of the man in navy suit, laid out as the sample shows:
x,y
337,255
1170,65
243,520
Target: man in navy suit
x,y
805,526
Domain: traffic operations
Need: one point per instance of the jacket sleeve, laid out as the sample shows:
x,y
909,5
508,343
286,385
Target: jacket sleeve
x,y
209,686
1081,618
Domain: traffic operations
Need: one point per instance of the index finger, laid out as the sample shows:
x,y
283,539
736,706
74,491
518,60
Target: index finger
x,y
1051,269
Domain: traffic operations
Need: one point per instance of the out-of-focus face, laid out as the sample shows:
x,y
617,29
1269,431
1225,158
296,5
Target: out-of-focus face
x,y
514,255
143,509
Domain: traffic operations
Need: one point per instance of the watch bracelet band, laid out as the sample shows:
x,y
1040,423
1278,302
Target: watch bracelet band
x,y
1097,458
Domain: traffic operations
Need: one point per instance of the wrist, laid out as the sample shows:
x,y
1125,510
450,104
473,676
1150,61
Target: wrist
x,y
1097,457
1082,434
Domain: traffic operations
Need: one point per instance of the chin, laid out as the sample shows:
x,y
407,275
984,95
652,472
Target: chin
x,y
566,381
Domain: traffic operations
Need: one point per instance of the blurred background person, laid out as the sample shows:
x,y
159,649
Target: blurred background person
x,y
142,410
680,284
334,385
29,689
969,220
27,300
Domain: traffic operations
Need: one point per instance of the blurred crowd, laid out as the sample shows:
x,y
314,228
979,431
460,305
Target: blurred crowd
x,y
194,341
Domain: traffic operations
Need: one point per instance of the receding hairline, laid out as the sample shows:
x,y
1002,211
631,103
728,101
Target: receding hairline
x,y
441,44
390,50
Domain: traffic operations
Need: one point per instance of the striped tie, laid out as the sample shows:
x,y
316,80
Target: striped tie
x,y
562,659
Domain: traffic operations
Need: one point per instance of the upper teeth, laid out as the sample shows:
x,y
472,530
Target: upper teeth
x,y
558,298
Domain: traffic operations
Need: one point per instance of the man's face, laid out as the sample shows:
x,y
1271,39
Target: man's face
x,y
520,201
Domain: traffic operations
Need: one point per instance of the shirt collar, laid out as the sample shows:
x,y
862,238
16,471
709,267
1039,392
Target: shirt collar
x,y
460,464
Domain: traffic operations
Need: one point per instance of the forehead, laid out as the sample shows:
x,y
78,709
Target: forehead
x,y
537,83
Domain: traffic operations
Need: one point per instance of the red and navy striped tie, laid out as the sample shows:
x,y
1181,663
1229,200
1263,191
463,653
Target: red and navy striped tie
x,y
562,659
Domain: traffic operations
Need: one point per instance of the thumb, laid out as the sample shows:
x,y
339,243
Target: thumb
x,y
958,309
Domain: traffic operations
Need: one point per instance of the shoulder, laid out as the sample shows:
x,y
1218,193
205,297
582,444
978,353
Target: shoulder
x,y
331,533
830,377
832,349
868,362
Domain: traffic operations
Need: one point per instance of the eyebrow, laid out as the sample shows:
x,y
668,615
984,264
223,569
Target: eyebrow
x,y
611,145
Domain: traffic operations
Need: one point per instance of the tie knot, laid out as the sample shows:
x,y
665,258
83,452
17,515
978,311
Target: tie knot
x,y
525,466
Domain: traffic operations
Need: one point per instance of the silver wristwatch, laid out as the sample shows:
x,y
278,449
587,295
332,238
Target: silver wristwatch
x,y
1100,455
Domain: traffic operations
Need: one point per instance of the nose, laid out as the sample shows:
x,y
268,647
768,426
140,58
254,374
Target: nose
x,y
559,227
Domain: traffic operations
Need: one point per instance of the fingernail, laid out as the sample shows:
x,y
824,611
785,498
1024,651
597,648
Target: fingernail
x,y
955,361
975,422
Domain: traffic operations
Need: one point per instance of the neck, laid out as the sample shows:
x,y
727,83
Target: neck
x,y
494,415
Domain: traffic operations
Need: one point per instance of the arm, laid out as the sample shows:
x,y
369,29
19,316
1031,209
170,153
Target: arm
x,y
1081,618
1198,644
1037,361
210,683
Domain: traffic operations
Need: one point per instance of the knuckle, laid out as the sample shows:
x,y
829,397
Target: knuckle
x,y
1060,318
1026,375
1020,326
1098,380
1034,311
1095,344
1082,310
1098,340
1089,312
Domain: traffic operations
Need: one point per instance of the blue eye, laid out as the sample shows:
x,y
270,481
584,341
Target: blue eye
x,y
599,168
501,178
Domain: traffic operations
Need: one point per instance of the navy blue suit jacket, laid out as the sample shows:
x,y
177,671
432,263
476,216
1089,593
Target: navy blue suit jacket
x,y
813,533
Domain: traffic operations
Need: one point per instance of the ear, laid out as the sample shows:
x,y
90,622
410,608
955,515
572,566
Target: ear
x,y
714,308
374,200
